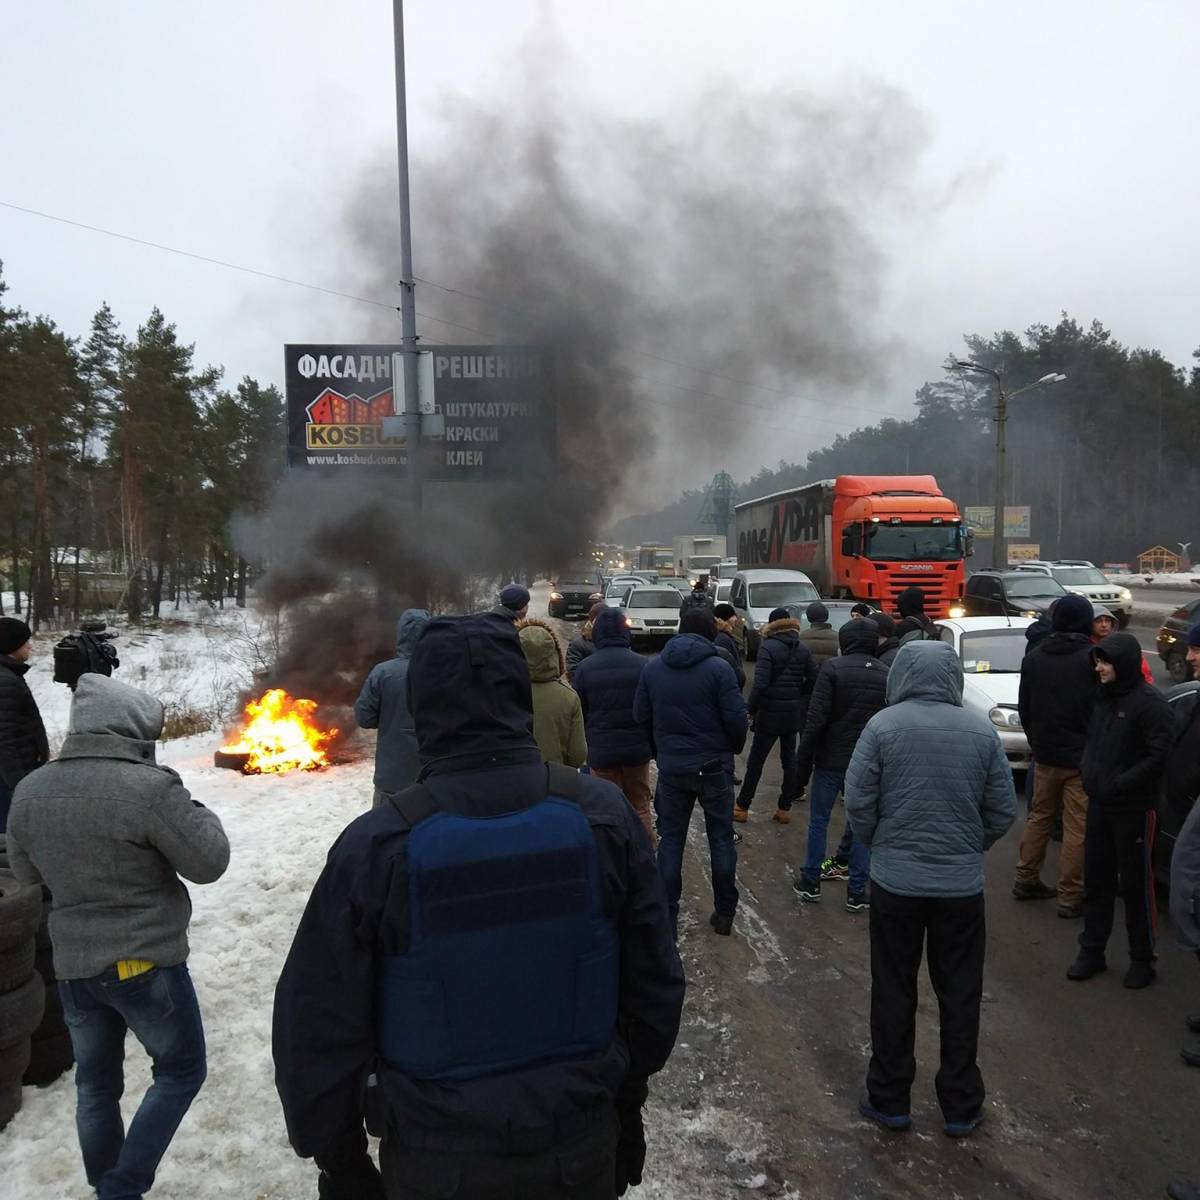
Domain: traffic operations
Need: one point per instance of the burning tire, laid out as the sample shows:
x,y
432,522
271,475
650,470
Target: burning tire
x,y
231,760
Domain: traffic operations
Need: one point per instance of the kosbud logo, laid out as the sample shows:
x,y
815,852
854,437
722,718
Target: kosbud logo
x,y
307,366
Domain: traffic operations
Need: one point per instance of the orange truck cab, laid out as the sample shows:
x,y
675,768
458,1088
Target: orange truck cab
x,y
866,537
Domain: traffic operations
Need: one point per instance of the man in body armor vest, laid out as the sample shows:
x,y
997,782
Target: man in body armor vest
x,y
485,968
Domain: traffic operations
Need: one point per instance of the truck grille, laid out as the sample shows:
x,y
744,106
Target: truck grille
x,y
938,586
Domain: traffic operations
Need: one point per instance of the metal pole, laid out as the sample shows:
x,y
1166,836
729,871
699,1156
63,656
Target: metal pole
x,y
999,557
408,303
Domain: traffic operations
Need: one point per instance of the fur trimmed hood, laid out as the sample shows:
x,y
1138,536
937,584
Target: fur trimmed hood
x,y
542,649
781,626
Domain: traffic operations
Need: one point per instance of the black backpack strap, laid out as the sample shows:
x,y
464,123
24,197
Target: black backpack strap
x,y
414,804
564,781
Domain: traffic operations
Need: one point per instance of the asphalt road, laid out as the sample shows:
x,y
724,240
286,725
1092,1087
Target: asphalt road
x,y
1087,1097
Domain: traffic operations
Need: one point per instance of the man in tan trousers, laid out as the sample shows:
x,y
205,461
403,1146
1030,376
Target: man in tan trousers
x,y
1058,691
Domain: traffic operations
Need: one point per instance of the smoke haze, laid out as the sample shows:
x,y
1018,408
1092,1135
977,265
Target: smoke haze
x,y
665,264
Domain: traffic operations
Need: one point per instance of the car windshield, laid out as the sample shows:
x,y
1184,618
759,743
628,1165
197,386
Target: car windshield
x,y
639,599
577,584
1035,585
680,585
781,593
993,651
913,543
1079,576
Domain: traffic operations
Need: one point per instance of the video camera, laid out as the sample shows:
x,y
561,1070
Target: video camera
x,y
89,650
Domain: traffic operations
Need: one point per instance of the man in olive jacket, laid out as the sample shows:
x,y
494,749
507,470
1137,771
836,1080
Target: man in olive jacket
x,y
928,790
557,715
110,832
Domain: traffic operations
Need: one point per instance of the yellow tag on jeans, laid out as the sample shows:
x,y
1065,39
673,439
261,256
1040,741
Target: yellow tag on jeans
x,y
127,968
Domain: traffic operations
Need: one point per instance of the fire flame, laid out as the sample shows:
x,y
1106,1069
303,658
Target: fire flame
x,y
279,734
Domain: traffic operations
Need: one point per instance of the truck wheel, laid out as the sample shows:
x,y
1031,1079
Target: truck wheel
x,y
49,1058
14,1060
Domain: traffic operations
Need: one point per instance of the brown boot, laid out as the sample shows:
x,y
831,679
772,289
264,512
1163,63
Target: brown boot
x,y
740,814
783,816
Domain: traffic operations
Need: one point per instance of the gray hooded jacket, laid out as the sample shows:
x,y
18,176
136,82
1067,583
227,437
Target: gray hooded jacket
x,y
929,788
109,831
383,704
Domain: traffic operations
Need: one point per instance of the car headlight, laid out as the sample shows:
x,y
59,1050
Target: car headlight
x,y
1005,718
595,597
1031,612
1126,595
556,595
956,611
634,622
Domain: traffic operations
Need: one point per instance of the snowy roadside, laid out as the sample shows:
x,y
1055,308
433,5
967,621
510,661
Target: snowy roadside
x,y
233,1142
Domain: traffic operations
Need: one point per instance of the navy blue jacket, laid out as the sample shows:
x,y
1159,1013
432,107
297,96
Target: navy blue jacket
x,y
383,704
784,673
691,707
607,681
474,716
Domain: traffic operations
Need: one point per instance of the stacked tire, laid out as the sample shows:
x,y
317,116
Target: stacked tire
x,y
50,1050
22,990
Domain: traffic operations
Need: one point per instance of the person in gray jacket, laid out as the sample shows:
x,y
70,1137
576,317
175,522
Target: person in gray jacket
x,y
110,832
928,790
383,704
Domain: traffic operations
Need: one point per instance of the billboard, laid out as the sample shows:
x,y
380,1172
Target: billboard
x,y
981,518
1019,552
496,404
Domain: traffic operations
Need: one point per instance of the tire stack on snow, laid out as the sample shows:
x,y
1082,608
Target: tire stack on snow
x,y
22,991
50,1052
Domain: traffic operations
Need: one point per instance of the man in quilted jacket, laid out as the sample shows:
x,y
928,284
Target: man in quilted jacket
x,y
928,790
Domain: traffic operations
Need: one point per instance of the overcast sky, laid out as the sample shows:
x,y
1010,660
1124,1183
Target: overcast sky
x,y
1061,170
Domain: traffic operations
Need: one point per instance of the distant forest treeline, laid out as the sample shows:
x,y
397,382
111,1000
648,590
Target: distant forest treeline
x,y
121,466
1108,460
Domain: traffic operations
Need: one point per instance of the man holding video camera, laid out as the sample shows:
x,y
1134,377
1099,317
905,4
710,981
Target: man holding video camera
x,y
23,745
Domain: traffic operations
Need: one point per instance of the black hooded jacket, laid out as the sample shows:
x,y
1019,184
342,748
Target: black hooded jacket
x,y
783,679
849,691
1130,733
470,693
1181,779
1058,693
23,745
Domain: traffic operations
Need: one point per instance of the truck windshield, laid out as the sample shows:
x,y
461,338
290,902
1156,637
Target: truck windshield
x,y
702,562
781,593
913,543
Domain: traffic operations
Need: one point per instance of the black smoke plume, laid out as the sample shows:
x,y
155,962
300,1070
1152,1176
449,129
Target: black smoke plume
x,y
664,262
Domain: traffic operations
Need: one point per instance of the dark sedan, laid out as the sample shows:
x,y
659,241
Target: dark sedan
x,y
572,597
1172,639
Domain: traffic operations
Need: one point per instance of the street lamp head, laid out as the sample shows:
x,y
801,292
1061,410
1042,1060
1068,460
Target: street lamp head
x,y
1052,378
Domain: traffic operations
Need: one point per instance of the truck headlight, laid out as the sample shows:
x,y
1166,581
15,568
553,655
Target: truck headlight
x,y
1005,718
956,611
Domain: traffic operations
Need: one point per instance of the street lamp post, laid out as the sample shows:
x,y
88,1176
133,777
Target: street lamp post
x,y
999,545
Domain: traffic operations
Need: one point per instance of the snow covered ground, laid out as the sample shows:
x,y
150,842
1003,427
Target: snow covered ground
x,y
232,1143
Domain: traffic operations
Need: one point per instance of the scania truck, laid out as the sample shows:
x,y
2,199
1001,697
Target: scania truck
x,y
862,537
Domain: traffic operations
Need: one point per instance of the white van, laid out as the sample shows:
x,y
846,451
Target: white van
x,y
756,592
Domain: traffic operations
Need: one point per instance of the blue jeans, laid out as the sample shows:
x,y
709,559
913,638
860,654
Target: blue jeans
x,y
160,1007
674,799
822,796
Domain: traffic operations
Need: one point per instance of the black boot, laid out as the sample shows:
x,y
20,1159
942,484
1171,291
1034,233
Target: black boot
x,y
1088,963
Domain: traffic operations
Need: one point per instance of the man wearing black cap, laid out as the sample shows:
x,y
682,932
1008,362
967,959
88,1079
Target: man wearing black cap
x,y
692,710
485,968
913,623
514,603
1057,694
23,745
820,637
1128,741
